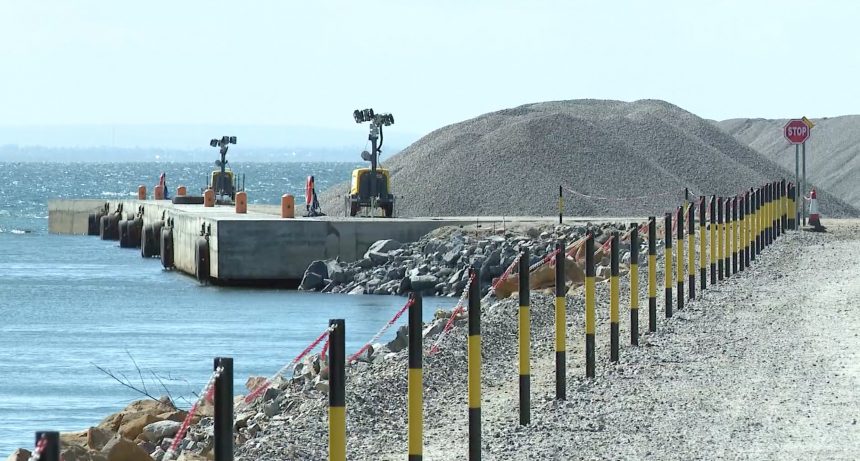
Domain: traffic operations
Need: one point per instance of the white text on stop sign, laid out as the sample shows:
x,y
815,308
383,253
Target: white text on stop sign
x,y
797,130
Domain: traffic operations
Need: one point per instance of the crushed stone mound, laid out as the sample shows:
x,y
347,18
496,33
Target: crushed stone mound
x,y
832,152
511,163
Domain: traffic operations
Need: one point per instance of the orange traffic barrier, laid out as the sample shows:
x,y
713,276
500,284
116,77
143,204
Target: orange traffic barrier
x,y
141,192
209,198
241,202
159,192
181,191
288,206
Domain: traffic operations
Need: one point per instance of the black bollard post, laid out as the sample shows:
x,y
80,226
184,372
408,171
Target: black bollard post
x,y
415,380
474,367
613,298
652,273
792,208
49,441
560,204
720,232
727,250
667,272
713,242
589,305
735,228
337,391
703,256
680,281
741,232
634,284
747,229
224,409
525,340
691,250
560,323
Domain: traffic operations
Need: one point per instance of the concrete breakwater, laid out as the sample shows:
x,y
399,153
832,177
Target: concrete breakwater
x,y
257,247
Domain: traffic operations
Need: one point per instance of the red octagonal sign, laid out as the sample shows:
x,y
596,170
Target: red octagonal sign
x,y
796,131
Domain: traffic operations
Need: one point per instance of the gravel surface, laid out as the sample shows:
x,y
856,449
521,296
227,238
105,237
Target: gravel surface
x,y
762,366
511,162
832,152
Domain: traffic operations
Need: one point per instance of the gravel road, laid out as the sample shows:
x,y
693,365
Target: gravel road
x,y
763,366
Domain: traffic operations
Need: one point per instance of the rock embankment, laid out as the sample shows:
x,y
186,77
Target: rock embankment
x,y
438,264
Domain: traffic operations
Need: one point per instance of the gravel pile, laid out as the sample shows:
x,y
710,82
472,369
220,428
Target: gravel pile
x,y
832,154
511,162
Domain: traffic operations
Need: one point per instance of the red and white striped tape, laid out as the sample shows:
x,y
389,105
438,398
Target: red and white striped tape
x,y
381,332
267,383
461,304
205,394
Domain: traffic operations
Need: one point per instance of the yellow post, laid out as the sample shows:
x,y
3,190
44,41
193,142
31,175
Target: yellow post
x,y
589,305
667,272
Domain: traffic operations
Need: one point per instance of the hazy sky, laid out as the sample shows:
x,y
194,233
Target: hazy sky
x,y
429,63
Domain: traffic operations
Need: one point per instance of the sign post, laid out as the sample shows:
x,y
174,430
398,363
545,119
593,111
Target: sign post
x,y
796,132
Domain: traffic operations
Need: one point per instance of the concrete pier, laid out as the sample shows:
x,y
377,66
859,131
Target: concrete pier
x,y
254,248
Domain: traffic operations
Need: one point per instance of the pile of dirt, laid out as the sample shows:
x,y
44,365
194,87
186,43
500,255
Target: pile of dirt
x,y
511,163
832,152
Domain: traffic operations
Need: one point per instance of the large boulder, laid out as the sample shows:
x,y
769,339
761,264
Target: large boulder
x,y
97,437
379,251
20,454
132,428
160,429
316,272
122,449
78,453
421,283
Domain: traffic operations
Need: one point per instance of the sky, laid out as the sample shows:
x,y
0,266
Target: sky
x,y
431,63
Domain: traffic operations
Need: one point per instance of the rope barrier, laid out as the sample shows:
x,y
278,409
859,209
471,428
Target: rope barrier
x,y
617,199
207,393
268,382
381,332
40,447
457,310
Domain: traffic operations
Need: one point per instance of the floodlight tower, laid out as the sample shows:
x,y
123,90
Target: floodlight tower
x,y
223,143
377,121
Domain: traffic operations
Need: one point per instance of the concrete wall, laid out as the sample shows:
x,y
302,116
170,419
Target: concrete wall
x,y
251,247
71,216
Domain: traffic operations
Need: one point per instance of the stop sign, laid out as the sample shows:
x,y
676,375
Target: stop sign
x,y
796,131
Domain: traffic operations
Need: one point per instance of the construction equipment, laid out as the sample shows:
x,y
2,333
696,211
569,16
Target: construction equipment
x,y
222,181
371,187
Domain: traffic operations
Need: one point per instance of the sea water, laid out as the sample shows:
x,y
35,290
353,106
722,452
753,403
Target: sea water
x,y
70,305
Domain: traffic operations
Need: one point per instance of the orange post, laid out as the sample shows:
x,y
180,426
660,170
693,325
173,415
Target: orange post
x,y
209,198
181,191
158,193
288,206
141,192
241,202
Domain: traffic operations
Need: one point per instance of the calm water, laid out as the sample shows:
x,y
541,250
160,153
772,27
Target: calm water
x,y
68,304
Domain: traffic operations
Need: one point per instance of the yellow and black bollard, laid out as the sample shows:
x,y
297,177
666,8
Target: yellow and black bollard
x,y
667,272
703,272
337,391
560,323
474,367
727,250
720,232
680,275
613,298
691,250
783,194
415,381
792,208
759,243
713,242
223,417
634,284
652,273
589,305
525,340
741,232
560,204
747,226
774,192
768,223
734,231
